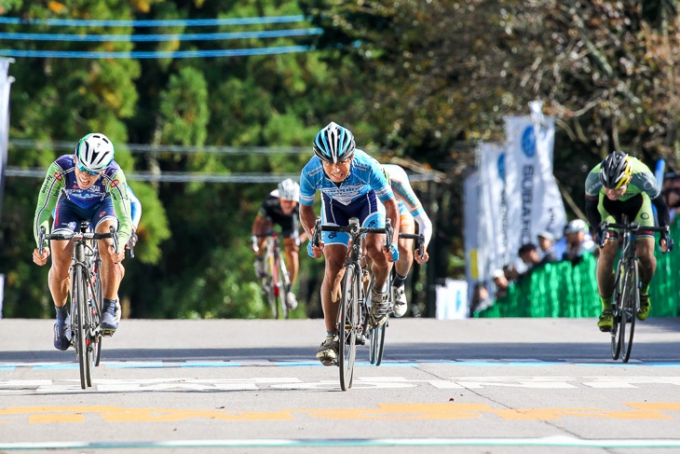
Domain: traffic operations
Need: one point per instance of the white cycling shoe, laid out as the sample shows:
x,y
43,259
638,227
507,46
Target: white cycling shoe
x,y
400,303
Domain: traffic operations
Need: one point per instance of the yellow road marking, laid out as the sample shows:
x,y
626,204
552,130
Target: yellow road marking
x,y
444,411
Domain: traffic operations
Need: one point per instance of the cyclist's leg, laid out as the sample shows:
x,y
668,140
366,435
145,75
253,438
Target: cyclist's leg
x,y
262,225
292,248
403,265
605,274
66,221
330,301
335,250
645,254
111,274
380,304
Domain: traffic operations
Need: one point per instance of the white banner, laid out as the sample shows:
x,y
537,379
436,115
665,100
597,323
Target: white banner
x,y
493,221
533,199
451,300
5,85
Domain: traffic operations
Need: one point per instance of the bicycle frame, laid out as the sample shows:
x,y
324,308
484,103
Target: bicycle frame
x,y
352,314
85,295
277,281
626,301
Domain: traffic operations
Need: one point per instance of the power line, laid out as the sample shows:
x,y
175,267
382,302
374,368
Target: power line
x,y
161,54
154,22
144,148
73,37
187,177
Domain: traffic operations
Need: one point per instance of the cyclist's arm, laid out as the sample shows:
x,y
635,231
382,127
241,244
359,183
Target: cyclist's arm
x,y
307,219
116,186
258,224
47,199
135,208
424,227
592,213
662,213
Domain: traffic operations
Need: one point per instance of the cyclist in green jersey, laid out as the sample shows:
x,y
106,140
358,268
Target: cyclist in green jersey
x,y
86,185
620,185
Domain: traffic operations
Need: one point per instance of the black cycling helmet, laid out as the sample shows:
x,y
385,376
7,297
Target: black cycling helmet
x,y
616,170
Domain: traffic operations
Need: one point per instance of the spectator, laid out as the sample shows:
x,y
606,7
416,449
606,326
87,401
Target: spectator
x,y
501,282
671,192
530,256
546,241
579,241
560,246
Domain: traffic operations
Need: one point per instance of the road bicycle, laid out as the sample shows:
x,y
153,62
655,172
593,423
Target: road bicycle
x,y
85,294
276,282
626,301
377,335
352,318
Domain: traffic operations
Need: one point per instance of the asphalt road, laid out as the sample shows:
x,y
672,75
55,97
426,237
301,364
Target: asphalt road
x,y
468,386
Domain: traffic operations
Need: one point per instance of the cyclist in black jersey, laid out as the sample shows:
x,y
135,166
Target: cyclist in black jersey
x,y
619,185
281,207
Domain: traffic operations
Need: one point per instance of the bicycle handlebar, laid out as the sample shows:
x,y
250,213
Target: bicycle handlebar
x,y
77,236
420,241
353,229
633,227
266,234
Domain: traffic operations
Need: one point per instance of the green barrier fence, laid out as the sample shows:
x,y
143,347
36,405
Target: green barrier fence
x,y
561,289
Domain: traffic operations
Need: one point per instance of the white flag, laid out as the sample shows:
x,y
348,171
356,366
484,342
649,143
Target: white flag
x,y
5,85
531,193
493,222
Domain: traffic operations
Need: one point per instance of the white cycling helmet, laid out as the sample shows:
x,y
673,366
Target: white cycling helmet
x,y
289,190
95,152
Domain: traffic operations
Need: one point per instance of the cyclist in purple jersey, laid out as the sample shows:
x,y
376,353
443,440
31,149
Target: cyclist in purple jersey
x,y
88,185
352,186
281,207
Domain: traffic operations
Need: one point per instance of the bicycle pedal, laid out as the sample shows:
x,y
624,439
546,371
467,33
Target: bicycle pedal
x,y
107,332
361,339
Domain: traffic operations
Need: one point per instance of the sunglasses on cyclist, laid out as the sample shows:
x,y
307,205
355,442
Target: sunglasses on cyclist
x,y
82,168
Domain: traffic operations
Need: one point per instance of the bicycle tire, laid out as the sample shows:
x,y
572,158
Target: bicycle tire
x,y
281,287
368,329
348,324
99,299
378,344
619,289
630,309
78,308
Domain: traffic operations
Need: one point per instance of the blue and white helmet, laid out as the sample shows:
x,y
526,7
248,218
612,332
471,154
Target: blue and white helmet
x,y
334,144
95,152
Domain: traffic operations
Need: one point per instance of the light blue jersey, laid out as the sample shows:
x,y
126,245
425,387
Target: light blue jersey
x,y
365,175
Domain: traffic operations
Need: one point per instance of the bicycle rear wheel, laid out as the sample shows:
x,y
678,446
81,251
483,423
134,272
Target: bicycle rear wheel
x,y
280,288
629,308
377,344
348,325
96,316
78,305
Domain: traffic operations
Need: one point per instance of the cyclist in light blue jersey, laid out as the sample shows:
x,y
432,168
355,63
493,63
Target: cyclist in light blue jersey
x,y
411,212
352,185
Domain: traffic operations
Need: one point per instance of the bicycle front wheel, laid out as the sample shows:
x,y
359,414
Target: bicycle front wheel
x,y
79,330
619,291
348,325
629,307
